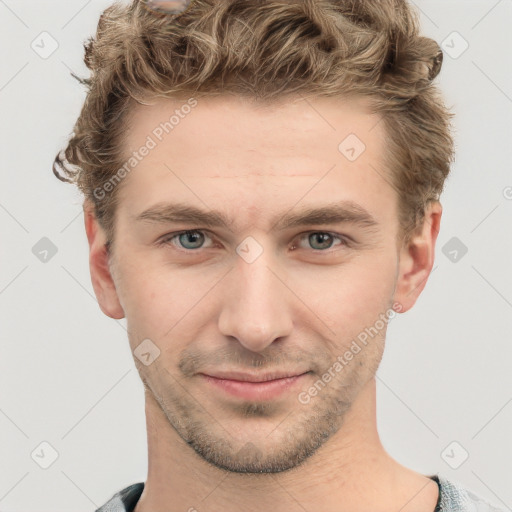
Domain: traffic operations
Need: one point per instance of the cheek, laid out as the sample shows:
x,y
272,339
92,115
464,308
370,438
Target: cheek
x,y
348,296
144,294
156,298
351,296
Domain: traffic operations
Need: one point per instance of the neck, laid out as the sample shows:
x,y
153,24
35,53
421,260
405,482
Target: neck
x,y
350,472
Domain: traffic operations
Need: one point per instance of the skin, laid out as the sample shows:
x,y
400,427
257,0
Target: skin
x,y
171,7
292,308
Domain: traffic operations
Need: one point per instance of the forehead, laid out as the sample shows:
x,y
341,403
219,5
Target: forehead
x,y
251,157
213,125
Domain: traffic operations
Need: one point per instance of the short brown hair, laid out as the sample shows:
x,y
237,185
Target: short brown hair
x,y
266,50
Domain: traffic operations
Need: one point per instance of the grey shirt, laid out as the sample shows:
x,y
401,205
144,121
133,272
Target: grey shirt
x,y
452,498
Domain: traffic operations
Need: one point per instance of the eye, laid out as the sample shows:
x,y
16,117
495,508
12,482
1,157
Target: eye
x,y
189,240
194,239
320,240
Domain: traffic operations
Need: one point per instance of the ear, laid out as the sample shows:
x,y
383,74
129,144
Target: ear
x,y
101,277
417,258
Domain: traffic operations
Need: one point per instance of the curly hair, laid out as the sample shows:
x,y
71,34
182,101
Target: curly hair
x,y
266,50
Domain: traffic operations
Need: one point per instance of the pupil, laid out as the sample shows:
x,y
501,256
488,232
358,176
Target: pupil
x,y
190,235
322,238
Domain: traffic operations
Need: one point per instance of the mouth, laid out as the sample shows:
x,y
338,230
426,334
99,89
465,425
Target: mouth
x,y
253,386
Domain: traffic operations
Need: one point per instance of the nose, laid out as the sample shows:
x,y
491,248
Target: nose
x,y
256,303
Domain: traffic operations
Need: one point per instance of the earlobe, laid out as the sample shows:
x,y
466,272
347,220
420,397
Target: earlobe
x,y
101,277
417,259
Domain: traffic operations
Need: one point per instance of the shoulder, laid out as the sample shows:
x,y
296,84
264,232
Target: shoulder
x,y
455,498
124,500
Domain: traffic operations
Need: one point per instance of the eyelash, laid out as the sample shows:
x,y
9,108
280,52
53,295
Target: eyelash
x,y
167,240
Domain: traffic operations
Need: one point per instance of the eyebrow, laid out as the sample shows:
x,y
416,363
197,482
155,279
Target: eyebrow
x,y
336,213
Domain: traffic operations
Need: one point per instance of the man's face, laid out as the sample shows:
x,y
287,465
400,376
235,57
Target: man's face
x,y
258,295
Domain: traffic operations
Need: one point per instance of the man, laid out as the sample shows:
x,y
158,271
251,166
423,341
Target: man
x,y
262,183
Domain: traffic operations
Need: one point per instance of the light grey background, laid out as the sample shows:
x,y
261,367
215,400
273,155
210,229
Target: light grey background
x,y
67,377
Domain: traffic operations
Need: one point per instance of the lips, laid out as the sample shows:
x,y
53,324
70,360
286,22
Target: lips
x,y
256,387
248,377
